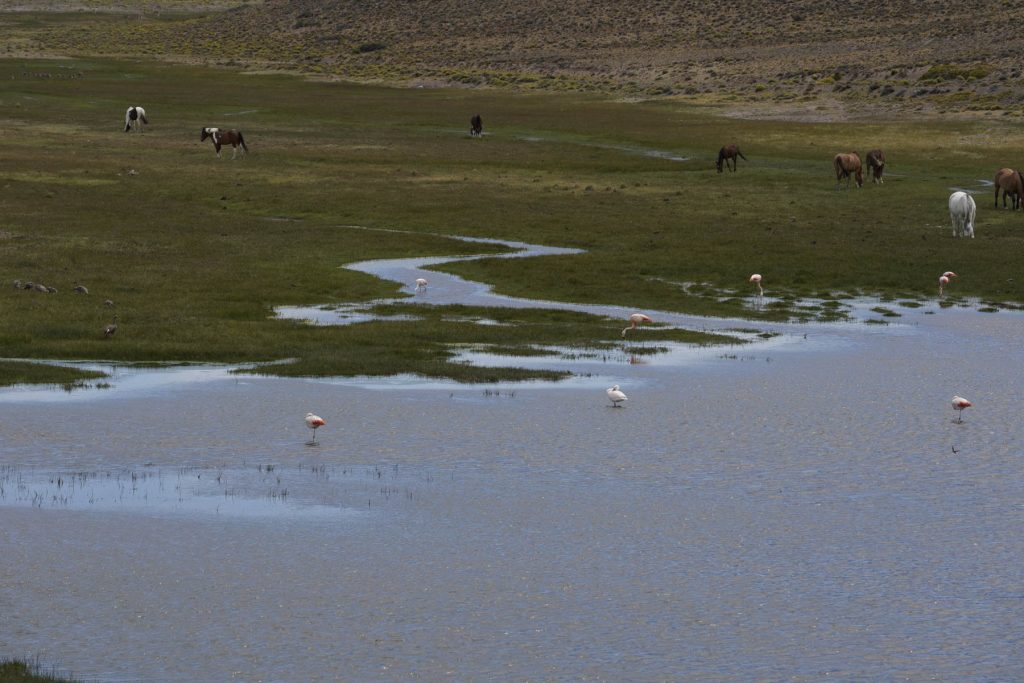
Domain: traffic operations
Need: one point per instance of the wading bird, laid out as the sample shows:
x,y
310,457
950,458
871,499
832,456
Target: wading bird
x,y
959,403
616,396
421,284
756,280
110,329
634,320
943,281
314,422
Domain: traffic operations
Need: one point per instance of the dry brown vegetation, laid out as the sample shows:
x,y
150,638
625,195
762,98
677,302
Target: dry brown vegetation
x,y
766,57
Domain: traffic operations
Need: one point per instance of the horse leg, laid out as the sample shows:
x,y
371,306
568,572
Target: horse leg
x,y
234,152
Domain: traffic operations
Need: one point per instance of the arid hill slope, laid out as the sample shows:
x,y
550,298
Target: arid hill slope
x,y
928,54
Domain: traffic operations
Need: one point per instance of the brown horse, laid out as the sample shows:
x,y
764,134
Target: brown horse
x,y
876,165
1010,182
847,165
476,126
726,153
225,137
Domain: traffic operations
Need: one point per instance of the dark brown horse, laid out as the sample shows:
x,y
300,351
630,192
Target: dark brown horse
x,y
847,165
225,137
726,153
1010,182
876,165
476,126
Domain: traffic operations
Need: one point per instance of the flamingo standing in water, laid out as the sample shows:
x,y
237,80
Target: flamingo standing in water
x,y
634,320
959,403
421,284
756,279
944,280
616,396
313,422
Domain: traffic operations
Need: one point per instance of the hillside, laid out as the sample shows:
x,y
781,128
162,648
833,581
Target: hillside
x,y
931,55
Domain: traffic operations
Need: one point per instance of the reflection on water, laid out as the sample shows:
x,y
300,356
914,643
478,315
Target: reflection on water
x,y
262,491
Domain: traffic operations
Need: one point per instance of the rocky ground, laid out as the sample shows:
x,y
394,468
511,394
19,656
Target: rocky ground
x,y
826,59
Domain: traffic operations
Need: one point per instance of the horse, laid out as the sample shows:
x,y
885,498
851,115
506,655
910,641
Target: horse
x,y
876,165
225,137
962,211
1010,182
132,118
476,126
726,153
847,165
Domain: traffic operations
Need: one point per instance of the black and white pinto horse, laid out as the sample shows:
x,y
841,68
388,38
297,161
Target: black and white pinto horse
x,y
225,137
476,126
133,117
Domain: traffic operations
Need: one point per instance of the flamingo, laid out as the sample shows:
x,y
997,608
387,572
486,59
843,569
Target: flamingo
x,y
634,320
959,403
943,281
421,284
756,279
616,396
314,421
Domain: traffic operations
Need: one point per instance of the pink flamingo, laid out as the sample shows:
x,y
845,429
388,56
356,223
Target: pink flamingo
x,y
421,284
634,320
756,279
314,422
959,403
944,280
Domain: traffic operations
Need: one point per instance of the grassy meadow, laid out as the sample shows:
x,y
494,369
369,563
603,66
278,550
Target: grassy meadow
x,y
195,251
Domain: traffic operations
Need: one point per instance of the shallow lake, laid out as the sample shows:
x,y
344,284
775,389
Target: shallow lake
x,y
789,510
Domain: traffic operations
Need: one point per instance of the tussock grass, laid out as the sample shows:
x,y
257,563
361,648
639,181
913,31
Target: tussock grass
x,y
21,671
194,252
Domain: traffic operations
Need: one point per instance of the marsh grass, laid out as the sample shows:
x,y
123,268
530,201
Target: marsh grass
x,y
23,671
13,372
195,251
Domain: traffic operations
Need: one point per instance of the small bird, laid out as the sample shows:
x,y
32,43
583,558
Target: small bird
x,y
314,422
616,396
959,403
110,329
634,320
80,289
108,303
421,284
756,279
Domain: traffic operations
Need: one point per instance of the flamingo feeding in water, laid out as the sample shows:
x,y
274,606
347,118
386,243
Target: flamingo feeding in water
x,y
313,422
959,403
635,320
756,279
421,284
616,396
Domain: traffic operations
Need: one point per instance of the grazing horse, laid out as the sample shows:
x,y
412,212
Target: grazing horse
x,y
847,165
876,165
962,210
726,153
476,126
225,137
1010,182
132,117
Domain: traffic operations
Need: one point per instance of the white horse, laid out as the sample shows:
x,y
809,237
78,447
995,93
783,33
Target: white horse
x,y
962,210
132,117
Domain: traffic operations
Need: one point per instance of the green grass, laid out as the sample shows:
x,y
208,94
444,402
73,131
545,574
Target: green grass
x,y
184,244
19,671
14,372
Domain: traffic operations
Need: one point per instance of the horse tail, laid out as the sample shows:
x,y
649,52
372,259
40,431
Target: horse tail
x,y
142,117
241,141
